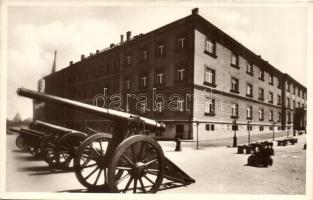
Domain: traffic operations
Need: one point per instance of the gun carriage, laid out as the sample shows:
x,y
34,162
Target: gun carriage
x,y
128,160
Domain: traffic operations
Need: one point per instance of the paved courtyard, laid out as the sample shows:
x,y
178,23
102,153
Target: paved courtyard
x,y
218,170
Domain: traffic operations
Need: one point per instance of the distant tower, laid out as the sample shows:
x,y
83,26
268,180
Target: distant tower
x,y
54,62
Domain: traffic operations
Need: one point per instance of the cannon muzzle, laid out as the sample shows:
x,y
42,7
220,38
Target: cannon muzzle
x,y
102,112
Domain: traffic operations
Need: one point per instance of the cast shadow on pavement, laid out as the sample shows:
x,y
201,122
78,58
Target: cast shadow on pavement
x,y
164,186
43,170
28,158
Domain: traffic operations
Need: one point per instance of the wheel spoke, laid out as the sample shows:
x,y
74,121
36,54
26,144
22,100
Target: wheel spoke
x,y
105,175
149,180
96,181
142,185
152,171
94,150
127,159
124,168
135,185
91,173
86,166
150,162
123,178
100,147
128,184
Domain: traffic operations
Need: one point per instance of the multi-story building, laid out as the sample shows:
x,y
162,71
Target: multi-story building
x,y
189,74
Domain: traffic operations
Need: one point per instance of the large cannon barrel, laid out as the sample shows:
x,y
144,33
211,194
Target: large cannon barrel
x,y
56,127
102,112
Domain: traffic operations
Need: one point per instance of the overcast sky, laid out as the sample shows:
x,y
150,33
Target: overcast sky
x,y
278,34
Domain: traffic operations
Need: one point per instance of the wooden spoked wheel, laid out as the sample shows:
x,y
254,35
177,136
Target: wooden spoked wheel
x,y
66,148
48,146
90,163
20,142
137,166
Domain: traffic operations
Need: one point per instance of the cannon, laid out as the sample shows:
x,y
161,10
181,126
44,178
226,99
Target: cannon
x,y
60,147
126,161
29,140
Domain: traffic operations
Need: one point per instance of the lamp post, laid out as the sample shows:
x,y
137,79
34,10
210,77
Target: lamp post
x,y
235,128
273,130
288,128
248,132
197,123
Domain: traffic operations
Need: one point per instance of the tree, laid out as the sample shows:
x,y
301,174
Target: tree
x,y
17,118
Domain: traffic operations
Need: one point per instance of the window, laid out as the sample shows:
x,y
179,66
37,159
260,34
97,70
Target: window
x,y
299,92
209,106
210,47
249,112
234,111
278,116
144,55
288,86
270,97
209,77
161,50
261,74
271,115
249,68
209,127
181,43
271,79
160,78
278,100
288,102
279,84
303,105
293,104
234,85
261,94
294,89
128,60
249,90
303,95
143,81
181,74
261,128
299,105
288,117
234,60
261,114
127,84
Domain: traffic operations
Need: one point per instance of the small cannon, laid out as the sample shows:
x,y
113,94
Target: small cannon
x,y
29,140
60,147
125,161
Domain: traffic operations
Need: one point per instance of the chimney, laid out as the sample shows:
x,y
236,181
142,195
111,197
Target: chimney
x,y
195,11
112,45
82,57
97,51
54,67
128,35
122,39
71,62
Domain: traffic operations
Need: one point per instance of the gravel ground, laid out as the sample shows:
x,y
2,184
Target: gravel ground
x,y
217,170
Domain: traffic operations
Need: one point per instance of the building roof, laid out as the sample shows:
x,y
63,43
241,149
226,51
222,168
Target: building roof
x,y
222,36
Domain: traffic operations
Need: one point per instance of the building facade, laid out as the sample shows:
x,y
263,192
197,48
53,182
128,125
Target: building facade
x,y
189,74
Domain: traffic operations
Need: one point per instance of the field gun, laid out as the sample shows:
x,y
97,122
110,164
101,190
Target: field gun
x,y
121,162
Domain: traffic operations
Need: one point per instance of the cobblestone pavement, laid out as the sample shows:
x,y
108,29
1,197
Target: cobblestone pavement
x,y
218,170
